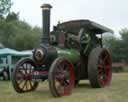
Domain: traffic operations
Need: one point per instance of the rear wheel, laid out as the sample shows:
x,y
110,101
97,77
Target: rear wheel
x,y
61,77
22,76
100,68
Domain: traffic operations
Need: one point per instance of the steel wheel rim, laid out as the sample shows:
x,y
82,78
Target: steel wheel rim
x,y
63,78
104,68
23,77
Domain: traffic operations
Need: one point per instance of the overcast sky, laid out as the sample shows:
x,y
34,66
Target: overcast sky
x,y
111,13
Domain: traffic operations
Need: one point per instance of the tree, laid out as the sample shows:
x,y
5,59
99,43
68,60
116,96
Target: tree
x,y
5,6
111,43
15,33
12,16
124,43
118,47
18,34
23,37
124,34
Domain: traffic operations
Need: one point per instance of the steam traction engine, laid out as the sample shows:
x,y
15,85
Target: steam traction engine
x,y
71,52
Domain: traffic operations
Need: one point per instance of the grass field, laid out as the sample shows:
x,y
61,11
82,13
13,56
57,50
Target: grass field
x,y
117,92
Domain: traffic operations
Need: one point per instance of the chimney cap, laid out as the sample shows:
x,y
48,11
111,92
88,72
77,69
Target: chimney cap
x,y
46,6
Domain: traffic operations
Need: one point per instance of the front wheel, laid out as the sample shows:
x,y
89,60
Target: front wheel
x,y
100,68
61,77
22,76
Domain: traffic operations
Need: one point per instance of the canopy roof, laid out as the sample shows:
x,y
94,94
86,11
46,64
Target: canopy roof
x,y
7,51
75,25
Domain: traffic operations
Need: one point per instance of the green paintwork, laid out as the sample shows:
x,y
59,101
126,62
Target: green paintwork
x,y
71,54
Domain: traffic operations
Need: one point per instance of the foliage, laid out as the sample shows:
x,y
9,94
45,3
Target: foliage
x,y
18,34
118,47
124,34
12,16
5,6
15,33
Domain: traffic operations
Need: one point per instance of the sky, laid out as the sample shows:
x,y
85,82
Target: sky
x,y
110,13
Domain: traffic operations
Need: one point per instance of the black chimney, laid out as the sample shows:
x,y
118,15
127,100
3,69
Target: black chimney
x,y
45,23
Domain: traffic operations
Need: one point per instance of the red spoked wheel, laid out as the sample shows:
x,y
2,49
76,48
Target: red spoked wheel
x,y
61,77
22,76
100,68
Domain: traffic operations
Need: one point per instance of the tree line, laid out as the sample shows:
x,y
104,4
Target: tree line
x,y
118,47
15,33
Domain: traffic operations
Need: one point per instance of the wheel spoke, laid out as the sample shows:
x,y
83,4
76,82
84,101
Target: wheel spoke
x,y
106,76
102,82
59,68
30,83
100,69
30,69
20,82
21,72
100,66
25,69
108,67
19,76
24,85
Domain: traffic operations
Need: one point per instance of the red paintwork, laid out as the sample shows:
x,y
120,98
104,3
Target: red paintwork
x,y
105,68
65,86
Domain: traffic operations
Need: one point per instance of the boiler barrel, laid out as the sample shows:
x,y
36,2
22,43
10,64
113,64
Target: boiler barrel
x,y
71,54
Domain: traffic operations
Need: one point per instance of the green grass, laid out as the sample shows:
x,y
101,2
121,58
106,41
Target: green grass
x,y
117,92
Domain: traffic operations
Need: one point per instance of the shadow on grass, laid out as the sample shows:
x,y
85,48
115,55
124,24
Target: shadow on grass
x,y
42,92
45,93
83,85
